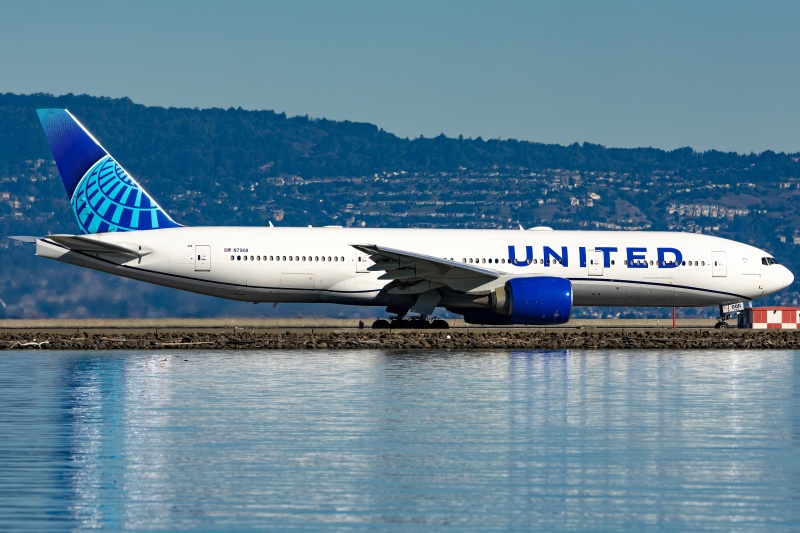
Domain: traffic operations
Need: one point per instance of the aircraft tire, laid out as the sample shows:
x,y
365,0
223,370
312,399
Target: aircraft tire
x,y
440,324
381,324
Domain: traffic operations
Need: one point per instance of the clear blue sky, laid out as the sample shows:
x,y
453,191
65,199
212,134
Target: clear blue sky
x,y
723,74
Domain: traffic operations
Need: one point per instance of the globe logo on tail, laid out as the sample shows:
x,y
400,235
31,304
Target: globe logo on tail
x,y
107,199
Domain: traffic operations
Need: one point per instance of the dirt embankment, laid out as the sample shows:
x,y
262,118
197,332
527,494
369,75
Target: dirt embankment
x,y
407,340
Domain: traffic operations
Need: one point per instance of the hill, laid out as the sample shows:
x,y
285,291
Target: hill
x,y
239,167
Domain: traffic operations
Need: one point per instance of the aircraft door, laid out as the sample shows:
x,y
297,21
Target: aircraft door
x,y
362,262
202,257
719,268
595,262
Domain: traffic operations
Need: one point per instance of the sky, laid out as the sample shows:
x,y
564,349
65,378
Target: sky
x,y
718,75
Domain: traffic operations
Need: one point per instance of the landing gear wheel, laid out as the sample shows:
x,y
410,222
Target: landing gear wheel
x,y
416,322
721,325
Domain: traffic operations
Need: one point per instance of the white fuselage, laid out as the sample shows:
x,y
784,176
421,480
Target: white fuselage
x,y
268,264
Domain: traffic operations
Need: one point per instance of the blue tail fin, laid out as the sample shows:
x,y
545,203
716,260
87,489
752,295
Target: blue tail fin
x,y
103,196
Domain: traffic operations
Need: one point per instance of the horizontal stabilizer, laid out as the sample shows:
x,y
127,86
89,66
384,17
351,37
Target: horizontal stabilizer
x,y
23,238
86,243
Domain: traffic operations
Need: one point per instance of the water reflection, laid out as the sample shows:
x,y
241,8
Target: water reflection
x,y
529,439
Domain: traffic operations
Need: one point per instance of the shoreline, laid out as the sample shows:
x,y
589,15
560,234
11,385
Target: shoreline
x,y
329,334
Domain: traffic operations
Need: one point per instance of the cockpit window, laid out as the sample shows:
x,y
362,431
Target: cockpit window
x,y
768,261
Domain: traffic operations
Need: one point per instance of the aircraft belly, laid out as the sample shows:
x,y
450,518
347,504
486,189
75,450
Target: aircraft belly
x,y
594,293
650,292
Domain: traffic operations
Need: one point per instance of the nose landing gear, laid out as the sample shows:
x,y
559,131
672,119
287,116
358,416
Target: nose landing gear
x,y
723,316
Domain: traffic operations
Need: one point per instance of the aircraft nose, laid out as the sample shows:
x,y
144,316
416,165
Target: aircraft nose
x,y
788,277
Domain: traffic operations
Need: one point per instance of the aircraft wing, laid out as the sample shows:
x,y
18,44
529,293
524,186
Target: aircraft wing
x,y
90,244
407,268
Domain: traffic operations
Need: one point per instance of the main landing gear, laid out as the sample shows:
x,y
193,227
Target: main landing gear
x,y
414,322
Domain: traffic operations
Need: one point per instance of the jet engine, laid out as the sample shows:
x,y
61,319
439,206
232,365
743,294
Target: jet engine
x,y
543,300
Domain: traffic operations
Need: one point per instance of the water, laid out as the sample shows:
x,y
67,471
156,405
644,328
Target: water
x,y
557,440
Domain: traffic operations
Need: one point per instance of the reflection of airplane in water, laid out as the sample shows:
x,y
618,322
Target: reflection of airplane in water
x,y
545,440
488,276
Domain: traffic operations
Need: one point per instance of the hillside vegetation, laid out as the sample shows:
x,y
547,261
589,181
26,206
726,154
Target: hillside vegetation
x,y
239,167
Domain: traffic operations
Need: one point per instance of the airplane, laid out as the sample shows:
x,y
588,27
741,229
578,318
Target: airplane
x,y
491,277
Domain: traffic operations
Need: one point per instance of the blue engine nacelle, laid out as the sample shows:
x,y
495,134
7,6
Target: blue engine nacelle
x,y
538,301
